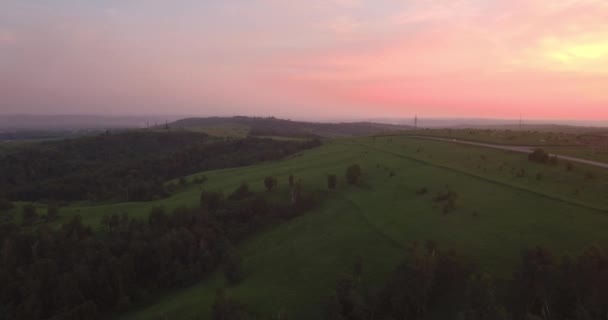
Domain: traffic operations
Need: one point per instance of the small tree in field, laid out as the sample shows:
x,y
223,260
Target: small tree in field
x,y
353,172
270,183
291,181
332,181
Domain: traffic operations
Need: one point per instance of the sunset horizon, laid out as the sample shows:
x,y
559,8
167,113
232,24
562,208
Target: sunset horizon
x,y
341,58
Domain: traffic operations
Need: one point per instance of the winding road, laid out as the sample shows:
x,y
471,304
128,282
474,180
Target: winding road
x,y
521,149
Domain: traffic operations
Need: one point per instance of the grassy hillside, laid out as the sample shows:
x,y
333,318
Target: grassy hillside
x,y
505,137
290,268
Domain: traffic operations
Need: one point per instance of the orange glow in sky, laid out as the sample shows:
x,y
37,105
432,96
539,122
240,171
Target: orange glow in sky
x,y
330,58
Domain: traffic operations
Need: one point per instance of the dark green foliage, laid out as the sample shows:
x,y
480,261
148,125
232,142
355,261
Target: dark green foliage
x,y
480,300
541,156
332,181
241,192
270,183
72,273
347,302
353,172
129,166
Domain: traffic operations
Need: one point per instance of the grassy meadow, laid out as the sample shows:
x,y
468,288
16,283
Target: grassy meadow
x,y
497,215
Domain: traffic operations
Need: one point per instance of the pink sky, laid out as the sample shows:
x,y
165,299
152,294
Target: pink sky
x,y
292,58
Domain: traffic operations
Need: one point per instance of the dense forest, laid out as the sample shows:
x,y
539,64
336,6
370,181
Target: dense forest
x,y
76,273
131,166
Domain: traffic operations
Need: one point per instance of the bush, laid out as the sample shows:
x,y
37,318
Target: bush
x,y
353,172
270,183
241,192
569,166
539,156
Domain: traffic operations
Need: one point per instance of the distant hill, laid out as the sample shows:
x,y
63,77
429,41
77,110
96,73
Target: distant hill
x,y
19,122
280,127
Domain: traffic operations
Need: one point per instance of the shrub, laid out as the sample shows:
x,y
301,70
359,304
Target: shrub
x,y
241,192
539,156
270,183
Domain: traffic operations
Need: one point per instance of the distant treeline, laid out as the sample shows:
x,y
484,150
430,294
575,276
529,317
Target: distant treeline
x,y
129,166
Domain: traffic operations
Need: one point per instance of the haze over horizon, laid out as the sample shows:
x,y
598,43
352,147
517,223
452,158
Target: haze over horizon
x,y
307,59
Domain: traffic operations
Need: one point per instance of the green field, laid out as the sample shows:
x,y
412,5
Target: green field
x,y
505,137
582,152
291,267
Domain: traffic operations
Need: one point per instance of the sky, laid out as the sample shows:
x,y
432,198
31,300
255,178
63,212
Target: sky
x,y
306,58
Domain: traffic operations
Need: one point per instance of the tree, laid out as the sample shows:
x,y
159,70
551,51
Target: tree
x,y
270,183
241,192
353,172
29,214
332,181
291,181
480,300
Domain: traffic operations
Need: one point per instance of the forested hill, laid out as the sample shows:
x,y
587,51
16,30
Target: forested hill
x,y
279,127
129,166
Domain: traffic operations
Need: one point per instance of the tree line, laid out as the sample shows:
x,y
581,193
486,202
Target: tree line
x,y
129,166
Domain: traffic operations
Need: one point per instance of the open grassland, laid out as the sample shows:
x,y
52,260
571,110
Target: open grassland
x,y
497,214
582,152
505,137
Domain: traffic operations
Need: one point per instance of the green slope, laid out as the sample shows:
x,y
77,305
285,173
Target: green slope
x,y
292,267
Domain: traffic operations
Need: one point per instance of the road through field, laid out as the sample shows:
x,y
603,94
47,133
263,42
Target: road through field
x,y
522,149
